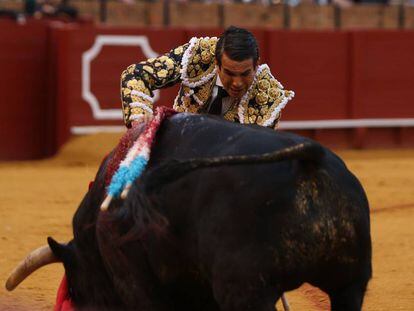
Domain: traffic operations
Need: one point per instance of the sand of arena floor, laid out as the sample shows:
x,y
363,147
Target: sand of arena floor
x,y
38,199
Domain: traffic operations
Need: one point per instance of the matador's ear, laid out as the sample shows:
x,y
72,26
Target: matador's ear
x,y
257,63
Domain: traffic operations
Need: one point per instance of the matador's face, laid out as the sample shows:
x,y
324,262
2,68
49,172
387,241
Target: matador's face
x,y
236,76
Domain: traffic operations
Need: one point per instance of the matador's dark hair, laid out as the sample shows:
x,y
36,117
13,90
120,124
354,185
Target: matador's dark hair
x,y
239,44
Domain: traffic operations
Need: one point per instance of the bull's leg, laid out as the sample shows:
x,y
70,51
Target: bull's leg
x,y
252,303
244,296
349,298
245,280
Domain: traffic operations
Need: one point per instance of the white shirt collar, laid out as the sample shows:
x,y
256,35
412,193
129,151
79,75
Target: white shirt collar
x,y
218,81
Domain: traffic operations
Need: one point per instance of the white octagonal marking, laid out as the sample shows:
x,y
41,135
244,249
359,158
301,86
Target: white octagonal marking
x,y
87,57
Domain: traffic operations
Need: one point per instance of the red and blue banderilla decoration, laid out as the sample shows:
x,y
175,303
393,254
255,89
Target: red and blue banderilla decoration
x,y
136,159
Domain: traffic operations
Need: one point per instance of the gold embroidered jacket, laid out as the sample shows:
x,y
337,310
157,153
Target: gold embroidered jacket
x,y
193,65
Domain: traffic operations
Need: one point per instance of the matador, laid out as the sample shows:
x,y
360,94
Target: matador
x,y
218,76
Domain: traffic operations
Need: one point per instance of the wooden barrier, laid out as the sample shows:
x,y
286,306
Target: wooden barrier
x,y
409,17
87,9
335,75
369,16
194,14
391,17
308,16
11,5
122,14
155,11
253,15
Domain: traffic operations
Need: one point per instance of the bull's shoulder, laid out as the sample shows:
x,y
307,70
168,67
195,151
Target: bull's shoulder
x,y
206,135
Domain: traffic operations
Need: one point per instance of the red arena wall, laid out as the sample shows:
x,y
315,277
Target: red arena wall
x,y
353,88
25,112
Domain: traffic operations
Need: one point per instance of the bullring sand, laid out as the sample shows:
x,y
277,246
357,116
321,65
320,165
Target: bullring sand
x,y
38,199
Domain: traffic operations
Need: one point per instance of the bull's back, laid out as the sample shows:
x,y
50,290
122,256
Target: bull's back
x,y
187,135
314,214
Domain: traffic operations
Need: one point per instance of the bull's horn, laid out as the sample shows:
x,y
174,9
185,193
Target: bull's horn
x,y
106,202
35,260
125,192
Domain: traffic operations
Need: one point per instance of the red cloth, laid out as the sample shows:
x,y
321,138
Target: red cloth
x,y
63,301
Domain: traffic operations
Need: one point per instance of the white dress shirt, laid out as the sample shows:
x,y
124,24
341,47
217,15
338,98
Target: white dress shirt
x,y
227,102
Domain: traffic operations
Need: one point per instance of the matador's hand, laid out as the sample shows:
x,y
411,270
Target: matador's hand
x,y
143,119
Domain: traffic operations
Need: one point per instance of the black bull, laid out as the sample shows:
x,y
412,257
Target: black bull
x,y
224,232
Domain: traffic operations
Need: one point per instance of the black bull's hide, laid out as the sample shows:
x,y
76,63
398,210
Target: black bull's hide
x,y
227,237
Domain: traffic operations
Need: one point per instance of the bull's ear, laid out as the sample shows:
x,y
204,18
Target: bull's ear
x,y
61,251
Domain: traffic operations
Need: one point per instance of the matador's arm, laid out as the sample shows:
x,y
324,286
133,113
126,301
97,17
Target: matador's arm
x,y
139,81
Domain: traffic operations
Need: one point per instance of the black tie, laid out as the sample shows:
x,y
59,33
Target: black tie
x,y
216,105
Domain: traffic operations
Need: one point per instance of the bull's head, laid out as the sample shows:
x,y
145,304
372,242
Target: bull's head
x,y
88,283
35,260
54,252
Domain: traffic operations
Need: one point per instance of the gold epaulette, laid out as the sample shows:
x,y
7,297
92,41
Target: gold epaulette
x,y
264,100
197,66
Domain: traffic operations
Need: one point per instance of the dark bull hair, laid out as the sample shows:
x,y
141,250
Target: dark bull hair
x,y
127,223
140,221
133,221
274,211
174,169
